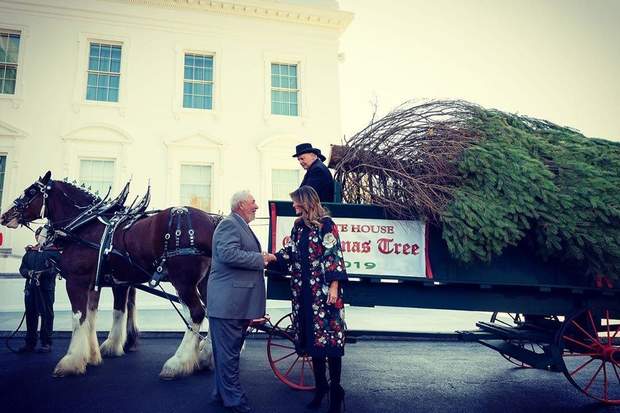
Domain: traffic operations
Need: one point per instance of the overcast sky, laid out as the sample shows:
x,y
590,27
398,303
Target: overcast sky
x,y
556,60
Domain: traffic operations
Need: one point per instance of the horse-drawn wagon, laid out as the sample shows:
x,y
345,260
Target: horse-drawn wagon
x,y
546,315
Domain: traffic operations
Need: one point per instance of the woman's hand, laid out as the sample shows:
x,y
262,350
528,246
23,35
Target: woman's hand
x,y
332,294
285,241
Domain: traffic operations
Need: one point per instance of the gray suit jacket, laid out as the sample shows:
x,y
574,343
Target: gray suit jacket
x,y
236,287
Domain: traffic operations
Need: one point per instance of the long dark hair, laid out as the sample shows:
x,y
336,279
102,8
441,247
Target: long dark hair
x,y
312,210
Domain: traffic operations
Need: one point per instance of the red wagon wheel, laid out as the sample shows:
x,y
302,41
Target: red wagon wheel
x,y
289,367
590,345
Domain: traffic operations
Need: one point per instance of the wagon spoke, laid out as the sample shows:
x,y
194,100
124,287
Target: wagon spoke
x,y
579,343
581,367
594,329
282,358
282,346
605,393
616,372
291,368
594,377
608,335
584,331
303,363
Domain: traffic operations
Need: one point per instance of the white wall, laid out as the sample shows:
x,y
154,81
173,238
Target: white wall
x,y
49,125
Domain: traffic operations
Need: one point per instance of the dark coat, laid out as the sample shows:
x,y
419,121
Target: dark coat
x,y
35,260
314,259
319,178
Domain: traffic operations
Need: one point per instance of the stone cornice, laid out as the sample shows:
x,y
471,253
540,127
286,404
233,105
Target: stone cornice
x,y
266,9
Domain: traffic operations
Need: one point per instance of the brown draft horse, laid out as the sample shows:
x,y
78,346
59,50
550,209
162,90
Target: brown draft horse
x,y
60,202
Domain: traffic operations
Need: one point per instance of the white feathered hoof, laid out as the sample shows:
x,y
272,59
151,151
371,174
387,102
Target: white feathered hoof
x,y
95,357
175,368
111,348
70,366
205,355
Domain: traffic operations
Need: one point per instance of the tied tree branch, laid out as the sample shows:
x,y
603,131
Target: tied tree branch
x,y
407,161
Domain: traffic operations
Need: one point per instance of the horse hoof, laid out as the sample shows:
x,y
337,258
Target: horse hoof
x,y
95,360
107,349
65,368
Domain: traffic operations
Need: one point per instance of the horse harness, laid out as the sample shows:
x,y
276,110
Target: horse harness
x,y
121,216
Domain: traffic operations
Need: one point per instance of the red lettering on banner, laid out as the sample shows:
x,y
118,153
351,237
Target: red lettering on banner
x,y
384,245
366,247
355,246
343,227
388,246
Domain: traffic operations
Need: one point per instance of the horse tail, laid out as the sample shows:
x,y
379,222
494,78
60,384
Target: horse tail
x,y
132,326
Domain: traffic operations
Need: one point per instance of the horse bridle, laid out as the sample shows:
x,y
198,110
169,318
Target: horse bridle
x,y
21,204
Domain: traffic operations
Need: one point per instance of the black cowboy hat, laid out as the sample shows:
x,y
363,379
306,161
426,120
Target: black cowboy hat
x,y
307,148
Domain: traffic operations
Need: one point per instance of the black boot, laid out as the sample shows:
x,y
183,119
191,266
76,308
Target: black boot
x,y
321,385
336,399
319,394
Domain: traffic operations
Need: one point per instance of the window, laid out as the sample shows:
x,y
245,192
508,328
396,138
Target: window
x,y
196,186
104,72
97,174
2,172
284,89
9,51
198,81
283,182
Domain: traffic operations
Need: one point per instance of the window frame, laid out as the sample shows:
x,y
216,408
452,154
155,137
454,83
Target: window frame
x,y
81,81
114,161
215,51
298,171
180,182
24,34
297,90
288,59
102,72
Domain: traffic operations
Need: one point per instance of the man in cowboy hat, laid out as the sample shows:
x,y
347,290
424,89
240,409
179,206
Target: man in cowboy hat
x,y
317,175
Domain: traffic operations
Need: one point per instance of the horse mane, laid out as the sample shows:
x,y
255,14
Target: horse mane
x,y
79,194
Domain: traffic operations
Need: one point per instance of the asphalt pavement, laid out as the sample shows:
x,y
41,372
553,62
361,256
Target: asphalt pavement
x,y
378,375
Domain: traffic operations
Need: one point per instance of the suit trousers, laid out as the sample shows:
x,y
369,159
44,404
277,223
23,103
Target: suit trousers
x,y
227,337
39,303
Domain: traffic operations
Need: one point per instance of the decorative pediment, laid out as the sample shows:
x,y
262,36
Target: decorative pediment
x,y
10,131
266,9
102,133
196,140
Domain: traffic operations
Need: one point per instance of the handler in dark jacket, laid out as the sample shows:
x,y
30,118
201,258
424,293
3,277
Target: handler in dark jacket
x,y
37,268
317,175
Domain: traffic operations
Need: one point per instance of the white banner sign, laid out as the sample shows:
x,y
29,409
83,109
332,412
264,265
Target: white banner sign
x,y
375,246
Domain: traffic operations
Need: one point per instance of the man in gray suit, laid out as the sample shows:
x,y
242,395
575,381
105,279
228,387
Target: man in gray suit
x,y
235,296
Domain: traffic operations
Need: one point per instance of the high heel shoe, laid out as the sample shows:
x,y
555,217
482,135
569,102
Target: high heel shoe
x,y
319,394
336,399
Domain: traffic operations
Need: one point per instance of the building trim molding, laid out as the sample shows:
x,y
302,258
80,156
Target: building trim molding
x,y
266,9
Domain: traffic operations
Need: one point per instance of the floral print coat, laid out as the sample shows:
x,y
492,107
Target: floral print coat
x,y
314,259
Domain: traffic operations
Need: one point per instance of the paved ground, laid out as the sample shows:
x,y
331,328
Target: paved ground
x,y
379,376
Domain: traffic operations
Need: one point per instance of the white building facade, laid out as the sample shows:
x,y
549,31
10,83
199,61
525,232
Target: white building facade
x,y
201,98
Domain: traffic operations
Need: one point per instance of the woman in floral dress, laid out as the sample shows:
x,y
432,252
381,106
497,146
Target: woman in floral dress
x,y
313,257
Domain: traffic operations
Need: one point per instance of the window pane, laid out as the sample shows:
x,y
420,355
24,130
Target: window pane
x,y
196,186
113,95
115,66
283,182
98,174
